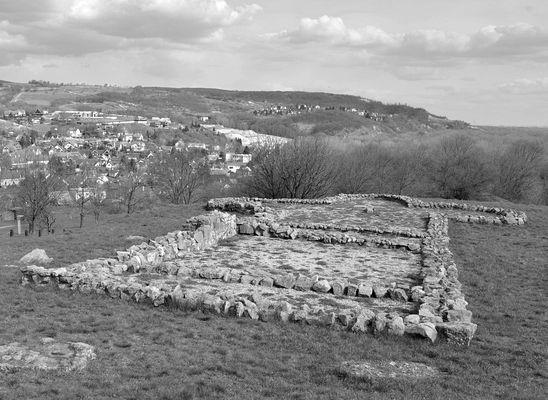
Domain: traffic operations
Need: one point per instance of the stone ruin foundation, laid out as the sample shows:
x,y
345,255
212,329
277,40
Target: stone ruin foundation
x,y
367,263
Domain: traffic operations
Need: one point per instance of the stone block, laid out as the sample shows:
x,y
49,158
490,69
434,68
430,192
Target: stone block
x,y
425,329
322,286
285,281
239,309
299,315
398,294
122,255
379,291
246,229
365,290
459,333
395,326
412,319
363,321
459,315
352,290
338,287
346,318
379,323
267,282
304,283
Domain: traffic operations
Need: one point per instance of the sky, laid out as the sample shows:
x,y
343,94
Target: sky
x,y
482,61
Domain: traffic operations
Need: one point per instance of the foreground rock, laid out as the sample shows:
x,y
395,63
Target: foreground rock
x,y
48,354
384,369
36,256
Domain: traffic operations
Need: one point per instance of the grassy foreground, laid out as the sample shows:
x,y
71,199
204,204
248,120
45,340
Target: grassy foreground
x,y
145,353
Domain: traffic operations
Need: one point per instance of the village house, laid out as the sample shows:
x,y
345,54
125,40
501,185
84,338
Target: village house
x,y
159,121
75,133
202,146
238,158
11,180
11,146
138,147
219,171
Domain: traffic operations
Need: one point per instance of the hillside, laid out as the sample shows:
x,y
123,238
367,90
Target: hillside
x,y
271,112
171,354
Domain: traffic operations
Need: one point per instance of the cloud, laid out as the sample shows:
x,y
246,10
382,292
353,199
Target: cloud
x,y
174,20
525,86
490,41
78,27
12,45
418,73
333,30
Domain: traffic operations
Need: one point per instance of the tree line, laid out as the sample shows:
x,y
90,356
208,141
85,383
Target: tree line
x,y
452,167
174,177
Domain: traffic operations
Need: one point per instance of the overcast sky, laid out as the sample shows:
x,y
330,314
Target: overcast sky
x,y
483,61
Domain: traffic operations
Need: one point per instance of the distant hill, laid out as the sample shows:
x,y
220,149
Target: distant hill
x,y
331,115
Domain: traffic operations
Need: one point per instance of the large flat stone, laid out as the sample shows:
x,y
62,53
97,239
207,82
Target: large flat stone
x,y
48,354
385,369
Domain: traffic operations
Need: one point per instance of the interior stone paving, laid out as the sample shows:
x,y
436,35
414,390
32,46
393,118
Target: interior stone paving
x,y
260,255
385,214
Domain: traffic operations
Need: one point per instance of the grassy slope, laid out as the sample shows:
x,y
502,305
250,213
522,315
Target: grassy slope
x,y
146,353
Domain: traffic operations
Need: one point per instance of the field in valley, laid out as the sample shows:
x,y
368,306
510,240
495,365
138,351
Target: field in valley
x,y
145,353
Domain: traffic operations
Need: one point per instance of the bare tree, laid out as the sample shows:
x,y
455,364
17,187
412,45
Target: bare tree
x,y
36,195
407,169
266,179
301,168
129,186
97,201
519,169
381,166
459,168
179,174
79,187
5,165
354,170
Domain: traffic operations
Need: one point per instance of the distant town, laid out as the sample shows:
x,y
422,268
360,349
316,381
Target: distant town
x,y
107,143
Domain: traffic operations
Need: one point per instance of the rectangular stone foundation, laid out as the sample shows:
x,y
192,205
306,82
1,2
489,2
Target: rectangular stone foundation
x,y
418,294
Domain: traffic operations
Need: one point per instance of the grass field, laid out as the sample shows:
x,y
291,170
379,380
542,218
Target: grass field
x,y
145,353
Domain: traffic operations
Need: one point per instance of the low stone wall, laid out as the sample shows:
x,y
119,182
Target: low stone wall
x,y
501,215
242,301
407,232
498,215
241,205
207,231
441,298
264,226
301,282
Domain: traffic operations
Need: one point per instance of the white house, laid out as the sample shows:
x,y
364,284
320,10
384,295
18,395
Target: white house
x,y
75,134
